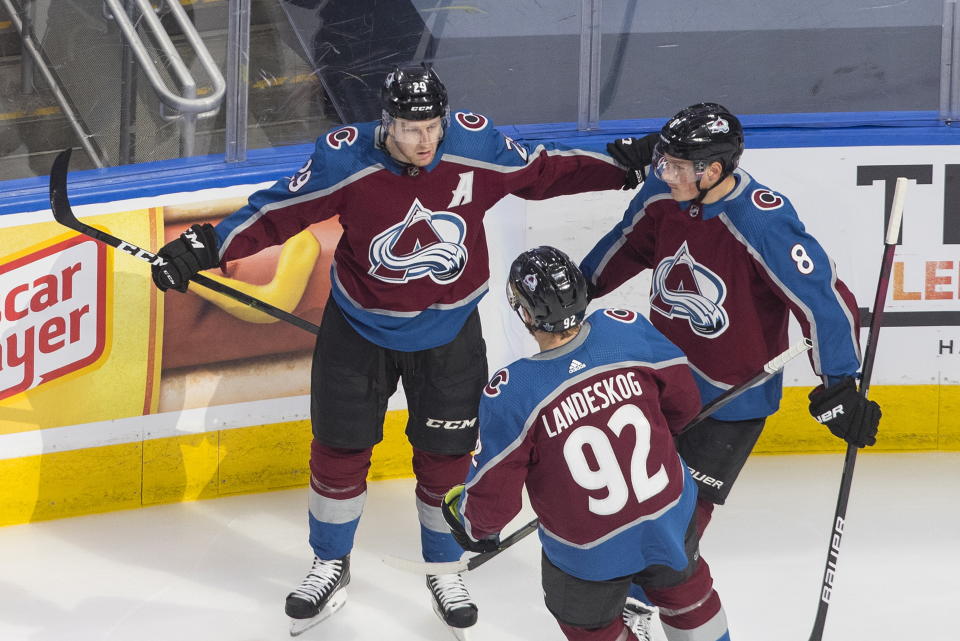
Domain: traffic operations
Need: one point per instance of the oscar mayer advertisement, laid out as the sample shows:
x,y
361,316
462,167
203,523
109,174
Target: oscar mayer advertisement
x,y
70,350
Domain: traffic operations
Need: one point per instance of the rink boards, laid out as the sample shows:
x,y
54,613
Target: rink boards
x,y
113,396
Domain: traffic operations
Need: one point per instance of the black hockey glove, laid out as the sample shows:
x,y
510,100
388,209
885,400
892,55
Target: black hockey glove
x,y
634,154
194,251
451,514
846,412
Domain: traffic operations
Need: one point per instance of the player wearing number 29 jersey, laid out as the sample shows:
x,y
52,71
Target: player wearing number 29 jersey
x,y
589,428
412,263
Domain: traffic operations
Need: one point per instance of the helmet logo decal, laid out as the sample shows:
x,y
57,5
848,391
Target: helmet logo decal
x,y
718,126
425,243
683,288
530,280
471,121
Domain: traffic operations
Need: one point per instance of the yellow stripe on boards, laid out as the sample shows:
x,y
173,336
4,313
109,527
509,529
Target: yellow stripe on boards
x,y
276,456
911,421
181,468
59,484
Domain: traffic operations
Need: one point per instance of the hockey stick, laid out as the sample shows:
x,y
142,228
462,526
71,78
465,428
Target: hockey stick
x,y
63,213
773,366
846,479
454,567
463,565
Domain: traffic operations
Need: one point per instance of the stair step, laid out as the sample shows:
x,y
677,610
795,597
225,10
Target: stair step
x,y
9,38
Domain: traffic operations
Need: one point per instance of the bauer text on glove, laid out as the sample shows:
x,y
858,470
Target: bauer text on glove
x,y
451,513
846,412
194,251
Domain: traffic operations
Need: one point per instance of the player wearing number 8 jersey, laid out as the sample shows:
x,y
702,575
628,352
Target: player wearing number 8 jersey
x,y
588,426
730,263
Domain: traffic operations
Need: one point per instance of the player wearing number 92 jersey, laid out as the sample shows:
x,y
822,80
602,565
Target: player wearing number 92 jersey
x,y
589,428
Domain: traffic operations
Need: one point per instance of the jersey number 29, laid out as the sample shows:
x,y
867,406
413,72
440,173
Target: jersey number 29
x,y
608,473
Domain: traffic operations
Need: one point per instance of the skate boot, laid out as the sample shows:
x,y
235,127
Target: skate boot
x,y
321,593
637,616
452,603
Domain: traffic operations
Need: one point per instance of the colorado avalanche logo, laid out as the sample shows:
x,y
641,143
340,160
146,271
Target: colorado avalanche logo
x,y
681,288
718,126
345,136
766,199
426,243
622,315
471,121
501,378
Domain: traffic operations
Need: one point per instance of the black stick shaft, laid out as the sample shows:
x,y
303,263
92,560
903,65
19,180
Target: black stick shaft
x,y
63,213
850,460
771,368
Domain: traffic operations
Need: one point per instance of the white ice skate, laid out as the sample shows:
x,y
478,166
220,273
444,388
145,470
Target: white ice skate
x,y
452,603
321,594
637,616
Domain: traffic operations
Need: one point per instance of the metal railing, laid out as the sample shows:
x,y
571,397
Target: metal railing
x,y
189,105
20,17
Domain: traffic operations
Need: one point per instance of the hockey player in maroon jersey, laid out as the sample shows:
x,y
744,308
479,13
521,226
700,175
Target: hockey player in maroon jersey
x,y
731,261
588,426
411,192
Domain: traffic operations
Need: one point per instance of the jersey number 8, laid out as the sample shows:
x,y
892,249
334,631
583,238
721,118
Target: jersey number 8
x,y
608,473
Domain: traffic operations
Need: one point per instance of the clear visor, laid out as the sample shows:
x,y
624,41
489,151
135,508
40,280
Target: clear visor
x,y
414,132
676,170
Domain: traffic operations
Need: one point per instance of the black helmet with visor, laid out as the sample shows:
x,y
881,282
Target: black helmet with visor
x,y
703,133
549,287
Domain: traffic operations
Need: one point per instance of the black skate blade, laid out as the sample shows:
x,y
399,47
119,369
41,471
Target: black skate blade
x,y
299,626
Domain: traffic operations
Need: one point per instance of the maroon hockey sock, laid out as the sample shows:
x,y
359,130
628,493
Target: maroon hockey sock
x,y
338,473
690,604
611,632
437,473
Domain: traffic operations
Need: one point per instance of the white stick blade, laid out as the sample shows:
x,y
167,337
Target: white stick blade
x,y
896,211
424,568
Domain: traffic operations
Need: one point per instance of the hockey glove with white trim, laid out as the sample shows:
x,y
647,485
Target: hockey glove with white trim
x,y
846,412
451,514
194,251
634,154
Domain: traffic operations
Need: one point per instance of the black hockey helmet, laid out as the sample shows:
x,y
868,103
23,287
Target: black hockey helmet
x,y
546,283
705,132
414,93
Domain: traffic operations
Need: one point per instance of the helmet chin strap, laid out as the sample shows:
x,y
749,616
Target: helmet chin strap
x,y
696,205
